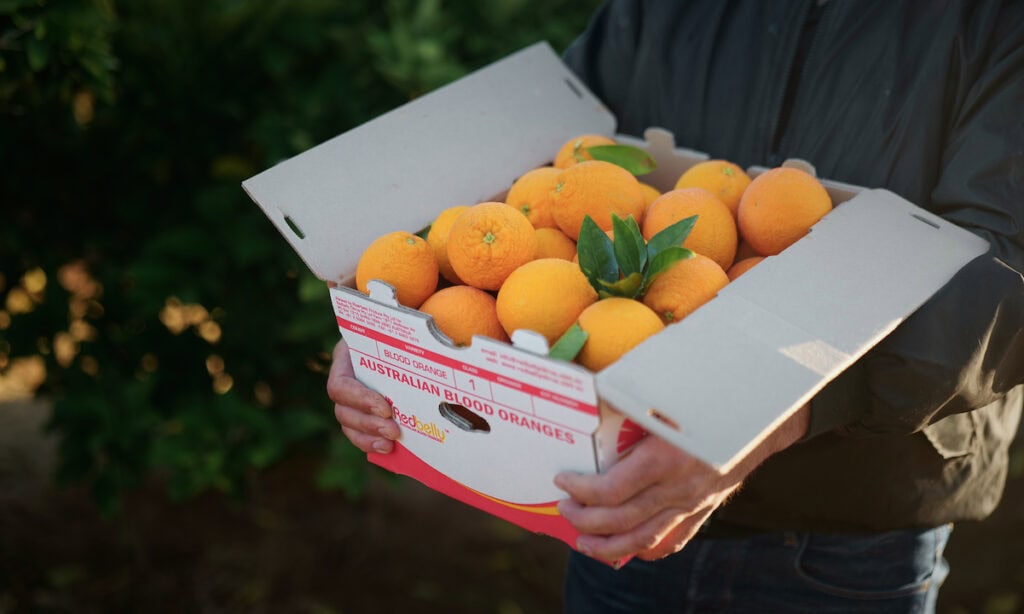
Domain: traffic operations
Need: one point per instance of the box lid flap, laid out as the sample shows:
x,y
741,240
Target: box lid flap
x,y
779,333
458,145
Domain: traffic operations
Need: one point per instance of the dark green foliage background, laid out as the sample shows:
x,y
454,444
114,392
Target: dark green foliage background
x,y
125,130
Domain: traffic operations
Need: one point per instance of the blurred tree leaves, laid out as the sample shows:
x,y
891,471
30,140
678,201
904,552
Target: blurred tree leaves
x,y
59,56
181,335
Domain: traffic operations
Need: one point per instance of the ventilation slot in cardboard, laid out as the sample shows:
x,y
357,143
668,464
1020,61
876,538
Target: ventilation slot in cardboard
x,y
921,218
463,417
575,90
662,418
294,227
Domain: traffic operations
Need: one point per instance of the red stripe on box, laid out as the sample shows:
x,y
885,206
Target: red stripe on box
x,y
540,518
496,378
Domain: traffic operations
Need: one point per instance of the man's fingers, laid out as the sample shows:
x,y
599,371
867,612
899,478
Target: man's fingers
x,y
357,420
609,520
641,538
678,537
348,391
341,351
600,520
341,361
364,415
368,443
646,465
623,481
344,389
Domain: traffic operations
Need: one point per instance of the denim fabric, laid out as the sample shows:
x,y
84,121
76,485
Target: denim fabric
x,y
895,571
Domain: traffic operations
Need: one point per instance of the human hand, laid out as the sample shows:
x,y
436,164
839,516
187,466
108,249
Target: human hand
x,y
364,415
652,502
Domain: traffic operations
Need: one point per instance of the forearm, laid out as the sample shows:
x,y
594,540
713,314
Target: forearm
x,y
786,434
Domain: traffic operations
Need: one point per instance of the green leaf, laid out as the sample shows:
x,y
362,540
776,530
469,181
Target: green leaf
x,y
38,54
633,159
265,454
303,424
661,263
671,236
344,469
311,289
423,232
628,287
569,344
596,254
628,245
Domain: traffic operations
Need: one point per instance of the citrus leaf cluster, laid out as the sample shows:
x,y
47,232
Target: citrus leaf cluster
x,y
623,267
626,266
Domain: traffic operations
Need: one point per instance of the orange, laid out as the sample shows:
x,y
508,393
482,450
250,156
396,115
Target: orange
x,y
714,234
463,311
531,194
722,178
575,148
779,207
552,243
743,250
403,260
685,286
437,237
743,266
614,326
597,189
651,194
545,296
488,242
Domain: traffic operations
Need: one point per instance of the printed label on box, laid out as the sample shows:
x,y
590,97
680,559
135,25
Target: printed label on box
x,y
496,419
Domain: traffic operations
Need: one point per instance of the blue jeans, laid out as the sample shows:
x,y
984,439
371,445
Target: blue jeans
x,y
895,571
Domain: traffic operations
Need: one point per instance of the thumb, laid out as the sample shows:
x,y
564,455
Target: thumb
x,y
341,361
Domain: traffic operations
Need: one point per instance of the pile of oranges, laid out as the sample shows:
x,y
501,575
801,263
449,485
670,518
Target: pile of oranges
x,y
495,267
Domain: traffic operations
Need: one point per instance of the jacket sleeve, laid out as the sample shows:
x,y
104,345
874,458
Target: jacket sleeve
x,y
964,348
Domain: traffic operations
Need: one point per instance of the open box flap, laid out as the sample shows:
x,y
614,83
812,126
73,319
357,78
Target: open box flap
x,y
862,270
457,145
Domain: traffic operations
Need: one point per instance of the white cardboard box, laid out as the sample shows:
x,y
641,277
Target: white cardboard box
x,y
491,424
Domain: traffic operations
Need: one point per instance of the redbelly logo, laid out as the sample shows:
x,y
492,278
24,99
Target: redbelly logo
x,y
428,429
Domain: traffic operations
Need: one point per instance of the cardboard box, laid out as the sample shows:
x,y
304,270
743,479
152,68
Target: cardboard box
x,y
491,424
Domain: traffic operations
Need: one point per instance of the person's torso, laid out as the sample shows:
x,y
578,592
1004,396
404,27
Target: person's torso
x,y
863,89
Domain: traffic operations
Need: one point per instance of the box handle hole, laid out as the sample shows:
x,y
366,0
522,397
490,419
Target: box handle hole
x,y
662,418
294,227
463,417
